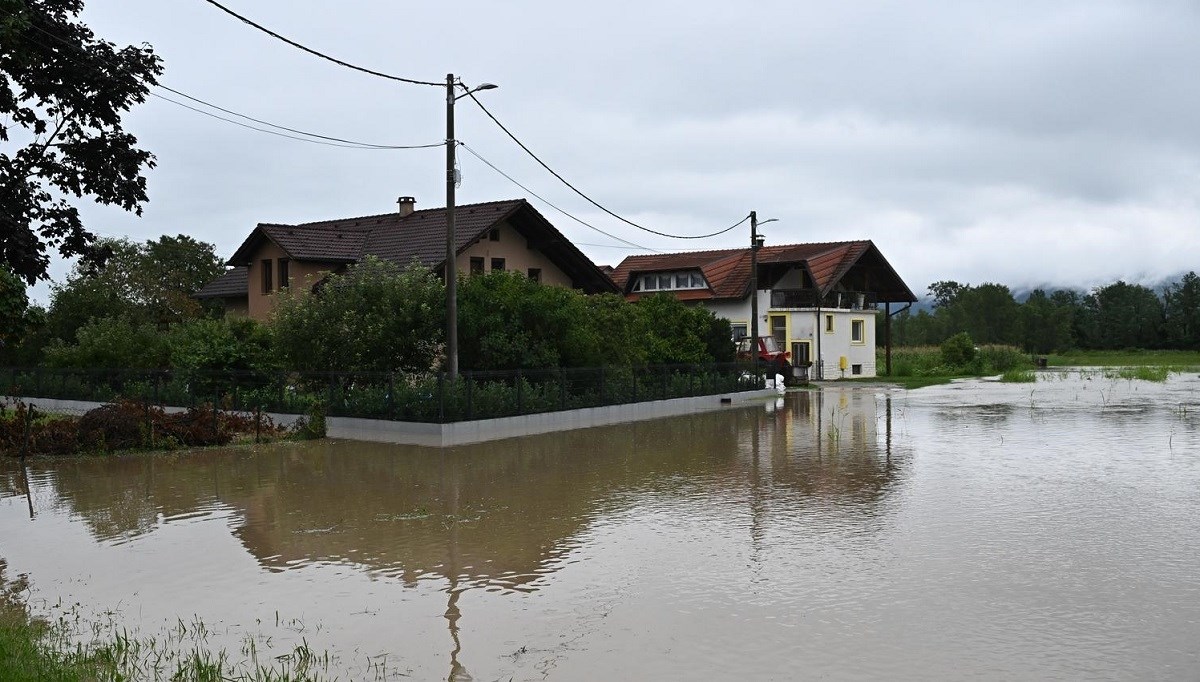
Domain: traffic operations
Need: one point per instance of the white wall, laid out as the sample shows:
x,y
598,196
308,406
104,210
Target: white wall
x,y
804,325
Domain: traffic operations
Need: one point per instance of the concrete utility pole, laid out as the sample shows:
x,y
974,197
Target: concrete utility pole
x,y
450,269
754,244
451,251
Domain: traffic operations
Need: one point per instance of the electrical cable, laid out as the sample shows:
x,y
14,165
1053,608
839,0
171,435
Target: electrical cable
x,y
350,144
347,145
589,199
313,52
544,201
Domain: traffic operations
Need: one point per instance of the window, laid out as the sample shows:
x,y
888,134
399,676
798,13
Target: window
x,y
856,369
740,331
858,331
497,265
283,273
829,324
494,236
779,329
666,281
267,281
476,265
535,274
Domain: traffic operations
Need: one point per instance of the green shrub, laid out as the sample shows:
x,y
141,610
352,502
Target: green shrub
x,y
958,350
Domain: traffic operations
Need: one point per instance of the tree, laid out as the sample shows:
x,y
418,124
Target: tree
x,y
1124,316
374,317
1182,307
66,90
508,321
150,282
1045,323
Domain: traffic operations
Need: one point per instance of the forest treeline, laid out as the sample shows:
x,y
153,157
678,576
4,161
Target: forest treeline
x,y
1117,316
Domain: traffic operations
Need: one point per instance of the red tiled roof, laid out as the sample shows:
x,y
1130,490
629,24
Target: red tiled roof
x,y
728,271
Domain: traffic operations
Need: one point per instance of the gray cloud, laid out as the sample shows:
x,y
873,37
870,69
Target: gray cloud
x,y
1020,142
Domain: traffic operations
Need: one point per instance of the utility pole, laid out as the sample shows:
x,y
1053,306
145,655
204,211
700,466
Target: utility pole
x,y
754,284
451,270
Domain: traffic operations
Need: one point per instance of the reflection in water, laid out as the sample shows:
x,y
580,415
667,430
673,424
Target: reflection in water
x,y
493,516
499,514
987,530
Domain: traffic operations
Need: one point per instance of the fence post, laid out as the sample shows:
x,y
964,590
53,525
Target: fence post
x,y
602,401
562,389
664,384
467,378
633,381
519,390
391,397
441,397
257,423
216,425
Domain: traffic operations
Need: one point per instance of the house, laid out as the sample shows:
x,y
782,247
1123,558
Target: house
x,y
497,235
819,301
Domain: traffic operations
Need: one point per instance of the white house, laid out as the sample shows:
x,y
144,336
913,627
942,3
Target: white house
x,y
819,301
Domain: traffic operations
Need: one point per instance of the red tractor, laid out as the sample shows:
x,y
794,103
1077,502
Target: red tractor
x,y
769,353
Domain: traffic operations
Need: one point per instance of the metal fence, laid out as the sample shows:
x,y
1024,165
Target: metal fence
x,y
401,397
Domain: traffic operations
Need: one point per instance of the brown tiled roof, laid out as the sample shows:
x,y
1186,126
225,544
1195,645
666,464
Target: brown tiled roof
x,y
231,284
728,271
318,243
420,236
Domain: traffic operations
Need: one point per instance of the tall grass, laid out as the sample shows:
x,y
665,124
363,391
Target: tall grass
x,y
929,362
51,650
1141,373
1019,376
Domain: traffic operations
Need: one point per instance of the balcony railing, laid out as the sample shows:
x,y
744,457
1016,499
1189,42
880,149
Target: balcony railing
x,y
807,298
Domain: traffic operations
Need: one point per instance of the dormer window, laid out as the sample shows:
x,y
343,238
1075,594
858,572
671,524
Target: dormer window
x,y
669,281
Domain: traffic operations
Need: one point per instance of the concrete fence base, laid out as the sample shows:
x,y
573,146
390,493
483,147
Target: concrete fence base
x,y
462,433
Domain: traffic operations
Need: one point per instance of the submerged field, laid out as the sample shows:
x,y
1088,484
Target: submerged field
x,y
977,529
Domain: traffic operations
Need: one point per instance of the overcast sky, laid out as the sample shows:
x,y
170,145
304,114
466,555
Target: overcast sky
x,y
1015,141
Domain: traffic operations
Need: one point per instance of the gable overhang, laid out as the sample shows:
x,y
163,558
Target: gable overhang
x,y
877,276
244,254
543,236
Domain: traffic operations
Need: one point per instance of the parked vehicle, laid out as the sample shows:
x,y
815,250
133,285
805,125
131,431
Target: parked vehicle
x,y
769,353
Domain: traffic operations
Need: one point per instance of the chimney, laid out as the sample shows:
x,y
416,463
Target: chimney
x,y
406,205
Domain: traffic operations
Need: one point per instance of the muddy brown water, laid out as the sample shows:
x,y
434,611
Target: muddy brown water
x,y
976,530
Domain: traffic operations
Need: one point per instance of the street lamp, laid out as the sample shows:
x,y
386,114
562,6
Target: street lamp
x,y
450,270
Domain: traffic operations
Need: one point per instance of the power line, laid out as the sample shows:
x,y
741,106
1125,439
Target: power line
x,y
348,144
589,199
331,141
544,201
313,52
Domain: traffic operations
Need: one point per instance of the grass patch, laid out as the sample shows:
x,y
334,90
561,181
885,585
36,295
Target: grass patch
x,y
918,366
1142,373
911,382
1018,376
1127,358
45,651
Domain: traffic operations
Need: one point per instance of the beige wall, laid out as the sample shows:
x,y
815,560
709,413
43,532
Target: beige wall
x,y
517,256
300,274
512,247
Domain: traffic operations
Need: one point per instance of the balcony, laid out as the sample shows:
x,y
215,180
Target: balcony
x,y
837,300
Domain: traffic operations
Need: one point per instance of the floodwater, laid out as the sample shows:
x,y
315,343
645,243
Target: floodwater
x,y
977,530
